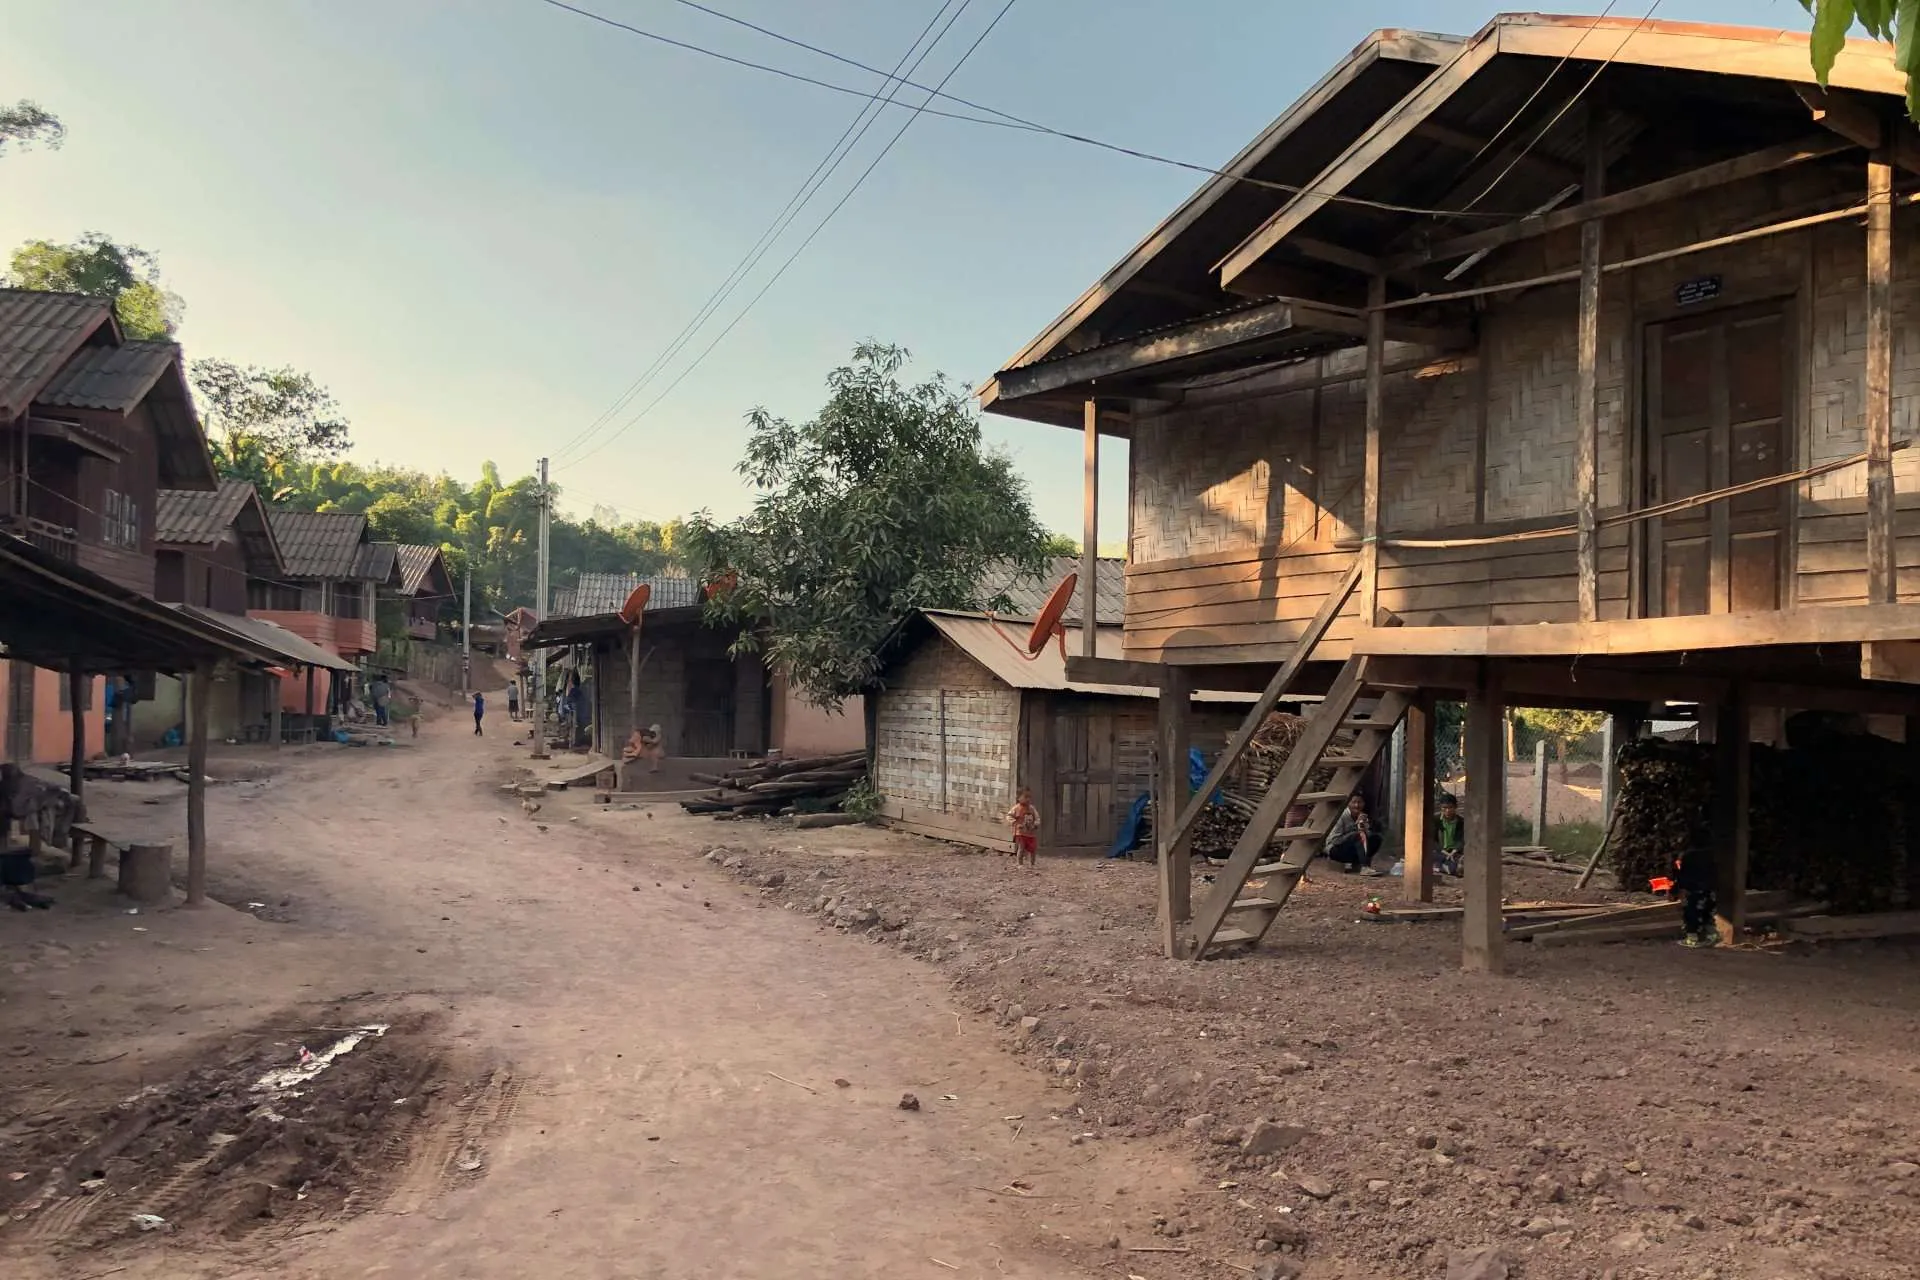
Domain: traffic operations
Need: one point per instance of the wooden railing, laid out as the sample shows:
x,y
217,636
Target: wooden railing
x,y
59,541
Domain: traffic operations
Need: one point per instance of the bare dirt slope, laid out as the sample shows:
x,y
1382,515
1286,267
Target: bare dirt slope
x,y
597,1056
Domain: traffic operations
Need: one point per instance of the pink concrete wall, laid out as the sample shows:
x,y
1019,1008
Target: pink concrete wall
x,y
52,727
802,729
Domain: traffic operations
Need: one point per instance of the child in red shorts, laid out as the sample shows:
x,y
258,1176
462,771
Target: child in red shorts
x,y
1025,821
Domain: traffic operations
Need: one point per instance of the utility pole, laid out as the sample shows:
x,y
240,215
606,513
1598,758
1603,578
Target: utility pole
x,y
466,632
540,614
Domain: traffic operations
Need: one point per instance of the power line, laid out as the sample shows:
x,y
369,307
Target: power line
x,y
821,226
802,196
1007,120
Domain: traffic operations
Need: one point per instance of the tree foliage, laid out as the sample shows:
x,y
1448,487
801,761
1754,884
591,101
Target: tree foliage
x,y
27,122
885,502
259,420
125,275
1894,21
1561,727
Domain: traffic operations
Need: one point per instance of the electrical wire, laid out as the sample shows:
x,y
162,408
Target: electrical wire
x,y
811,236
803,195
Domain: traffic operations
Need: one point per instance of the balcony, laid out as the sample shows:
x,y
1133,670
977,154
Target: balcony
x,y
58,541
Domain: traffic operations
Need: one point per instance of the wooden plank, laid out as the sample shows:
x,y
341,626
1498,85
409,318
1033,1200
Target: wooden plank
x,y
1879,381
1173,844
1090,532
1255,324
199,695
1370,465
1692,182
1586,391
1386,133
1483,938
1301,761
1257,714
1830,625
1884,924
1895,660
1417,844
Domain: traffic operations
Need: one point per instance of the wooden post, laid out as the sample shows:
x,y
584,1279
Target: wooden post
x,y
1540,791
1090,534
309,693
77,763
1417,802
1609,778
1881,581
1484,939
1732,809
1370,511
274,733
199,694
1175,860
940,715
633,676
1586,477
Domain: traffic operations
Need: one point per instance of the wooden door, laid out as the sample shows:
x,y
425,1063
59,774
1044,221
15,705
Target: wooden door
x,y
1717,394
20,711
707,717
1083,777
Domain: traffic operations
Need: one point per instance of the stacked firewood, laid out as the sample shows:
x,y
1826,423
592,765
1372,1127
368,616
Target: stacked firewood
x,y
816,784
1828,820
1221,823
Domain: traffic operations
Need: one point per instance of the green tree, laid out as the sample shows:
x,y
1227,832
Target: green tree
x,y
1894,21
26,122
125,275
1561,728
1059,544
260,420
885,502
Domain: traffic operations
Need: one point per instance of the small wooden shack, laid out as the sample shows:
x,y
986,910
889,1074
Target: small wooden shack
x,y
967,718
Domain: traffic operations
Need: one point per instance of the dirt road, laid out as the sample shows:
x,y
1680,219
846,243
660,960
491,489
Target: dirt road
x,y
603,1057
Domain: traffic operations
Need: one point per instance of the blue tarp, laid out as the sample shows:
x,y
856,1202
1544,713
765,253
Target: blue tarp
x,y
1129,834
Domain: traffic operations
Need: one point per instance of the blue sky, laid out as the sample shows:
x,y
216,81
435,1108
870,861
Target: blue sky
x,y
478,221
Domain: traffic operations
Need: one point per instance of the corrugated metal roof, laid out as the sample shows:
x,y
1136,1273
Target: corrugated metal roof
x,y
318,544
1028,592
187,515
38,333
379,561
110,378
416,562
606,592
1001,648
269,635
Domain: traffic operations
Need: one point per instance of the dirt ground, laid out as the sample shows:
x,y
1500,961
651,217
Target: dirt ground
x,y
612,1041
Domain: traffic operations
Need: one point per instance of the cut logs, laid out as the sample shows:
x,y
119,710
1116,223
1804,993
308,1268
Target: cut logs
x,y
762,788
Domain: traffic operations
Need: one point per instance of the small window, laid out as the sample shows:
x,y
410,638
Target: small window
x,y
86,694
120,521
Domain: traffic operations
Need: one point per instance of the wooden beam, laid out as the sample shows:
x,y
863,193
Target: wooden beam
x,y
1894,660
1417,837
1257,714
1090,532
199,695
1732,807
1328,319
1173,845
274,733
1483,937
1691,182
1837,624
1237,677
1370,466
1461,140
1586,389
1386,133
1253,325
1881,581
1859,121
77,760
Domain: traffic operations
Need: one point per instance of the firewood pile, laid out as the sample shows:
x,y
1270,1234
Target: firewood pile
x,y
763,788
1829,819
1221,823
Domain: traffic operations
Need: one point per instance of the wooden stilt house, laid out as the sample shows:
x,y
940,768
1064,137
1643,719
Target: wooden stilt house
x,y
1558,364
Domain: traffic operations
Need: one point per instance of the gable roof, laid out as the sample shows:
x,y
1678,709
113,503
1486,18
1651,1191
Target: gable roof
x,y
598,593
39,332
319,544
417,564
1027,593
1481,126
378,562
1001,648
183,517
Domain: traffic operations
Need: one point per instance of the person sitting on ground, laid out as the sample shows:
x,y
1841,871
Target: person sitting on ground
x,y
1352,841
1694,876
1451,830
647,745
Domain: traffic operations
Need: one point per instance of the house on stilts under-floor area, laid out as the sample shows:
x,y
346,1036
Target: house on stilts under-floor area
x,y
1555,365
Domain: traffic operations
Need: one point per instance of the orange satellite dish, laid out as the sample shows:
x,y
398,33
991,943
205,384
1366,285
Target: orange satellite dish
x,y
636,604
723,584
1047,625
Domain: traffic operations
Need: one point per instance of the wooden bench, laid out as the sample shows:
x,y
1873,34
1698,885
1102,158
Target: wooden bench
x,y
146,866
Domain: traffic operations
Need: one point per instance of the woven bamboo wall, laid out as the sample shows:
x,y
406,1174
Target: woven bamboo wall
x,y
981,719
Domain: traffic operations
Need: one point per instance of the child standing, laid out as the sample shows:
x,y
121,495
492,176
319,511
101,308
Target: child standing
x,y
1694,876
1451,829
1025,821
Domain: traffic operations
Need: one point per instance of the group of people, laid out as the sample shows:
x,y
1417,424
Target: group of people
x,y
1353,841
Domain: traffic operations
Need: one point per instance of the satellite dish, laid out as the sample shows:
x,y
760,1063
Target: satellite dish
x,y
636,604
723,584
1047,625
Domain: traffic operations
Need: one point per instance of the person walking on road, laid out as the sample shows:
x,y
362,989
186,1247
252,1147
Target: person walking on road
x,y
513,700
381,692
479,710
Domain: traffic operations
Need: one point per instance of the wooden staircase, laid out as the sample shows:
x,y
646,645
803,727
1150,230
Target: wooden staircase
x,y
1345,734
